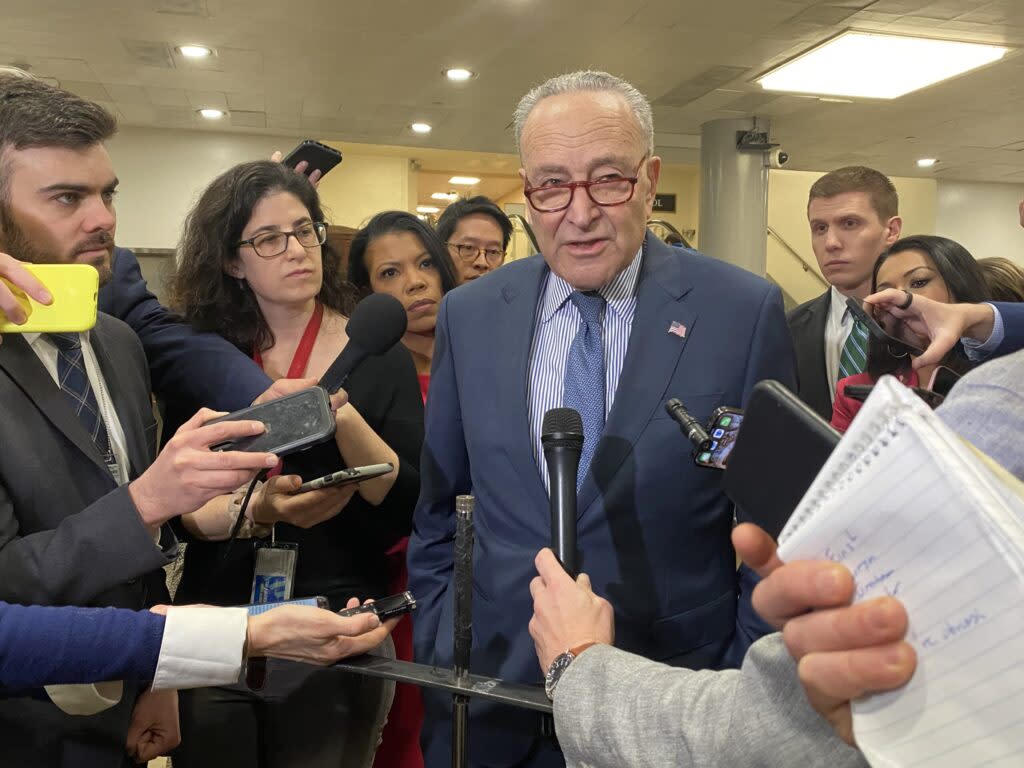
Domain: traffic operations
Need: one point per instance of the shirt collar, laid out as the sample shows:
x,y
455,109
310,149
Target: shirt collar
x,y
620,293
837,309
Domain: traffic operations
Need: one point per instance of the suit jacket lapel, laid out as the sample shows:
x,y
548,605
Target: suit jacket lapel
x,y
809,336
512,367
125,401
651,359
27,371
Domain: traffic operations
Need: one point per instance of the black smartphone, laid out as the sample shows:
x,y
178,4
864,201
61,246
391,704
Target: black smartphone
x,y
386,607
722,431
319,157
345,476
293,423
896,346
780,450
943,380
862,391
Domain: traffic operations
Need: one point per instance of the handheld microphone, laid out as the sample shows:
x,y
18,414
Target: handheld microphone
x,y
694,432
562,439
376,325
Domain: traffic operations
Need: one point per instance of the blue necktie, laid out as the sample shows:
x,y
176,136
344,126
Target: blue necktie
x,y
74,383
584,375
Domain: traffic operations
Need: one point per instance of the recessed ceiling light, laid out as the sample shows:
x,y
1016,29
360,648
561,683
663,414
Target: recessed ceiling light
x,y
926,162
861,64
421,127
211,114
445,196
458,74
427,209
467,181
195,51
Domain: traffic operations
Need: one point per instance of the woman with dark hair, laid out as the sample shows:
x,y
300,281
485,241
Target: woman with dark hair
x,y
397,254
928,265
253,266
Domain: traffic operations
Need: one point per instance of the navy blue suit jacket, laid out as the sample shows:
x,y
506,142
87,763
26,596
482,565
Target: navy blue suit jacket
x,y
49,646
188,368
653,528
1013,322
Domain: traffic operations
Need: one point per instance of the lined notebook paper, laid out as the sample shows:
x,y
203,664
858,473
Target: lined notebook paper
x,y
916,513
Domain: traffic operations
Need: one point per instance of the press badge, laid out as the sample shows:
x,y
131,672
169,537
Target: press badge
x,y
274,575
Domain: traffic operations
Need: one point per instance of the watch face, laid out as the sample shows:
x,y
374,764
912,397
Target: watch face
x,y
558,666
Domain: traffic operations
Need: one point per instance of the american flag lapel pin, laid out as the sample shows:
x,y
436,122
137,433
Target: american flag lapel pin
x,y
678,329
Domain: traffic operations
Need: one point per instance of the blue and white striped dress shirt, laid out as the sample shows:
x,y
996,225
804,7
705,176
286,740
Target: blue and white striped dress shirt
x,y
556,325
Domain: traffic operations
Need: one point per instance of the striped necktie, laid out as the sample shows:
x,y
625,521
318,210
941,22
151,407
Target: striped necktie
x,y
584,374
74,383
854,357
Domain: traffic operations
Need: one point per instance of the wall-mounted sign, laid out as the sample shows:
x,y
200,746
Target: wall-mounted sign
x,y
664,203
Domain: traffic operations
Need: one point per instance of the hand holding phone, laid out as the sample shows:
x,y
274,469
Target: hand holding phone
x,y
346,476
313,159
279,501
385,608
897,347
72,288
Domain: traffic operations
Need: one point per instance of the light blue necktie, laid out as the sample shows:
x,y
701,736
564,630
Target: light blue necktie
x,y
584,374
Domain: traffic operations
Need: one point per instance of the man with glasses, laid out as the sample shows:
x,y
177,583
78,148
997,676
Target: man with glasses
x,y
612,322
477,233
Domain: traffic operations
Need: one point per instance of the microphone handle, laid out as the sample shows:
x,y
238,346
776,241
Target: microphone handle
x,y
563,464
335,376
463,577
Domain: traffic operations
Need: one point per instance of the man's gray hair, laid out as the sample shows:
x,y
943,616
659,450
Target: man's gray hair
x,y
575,82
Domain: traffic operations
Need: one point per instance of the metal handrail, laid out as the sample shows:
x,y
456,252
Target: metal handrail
x,y
795,254
670,228
514,217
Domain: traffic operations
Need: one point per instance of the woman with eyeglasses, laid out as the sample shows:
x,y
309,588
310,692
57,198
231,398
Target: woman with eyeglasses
x,y
477,233
253,266
397,254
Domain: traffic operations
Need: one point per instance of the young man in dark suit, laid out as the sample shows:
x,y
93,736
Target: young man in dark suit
x,y
854,216
83,496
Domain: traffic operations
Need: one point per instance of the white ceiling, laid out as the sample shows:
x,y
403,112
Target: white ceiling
x,y
362,71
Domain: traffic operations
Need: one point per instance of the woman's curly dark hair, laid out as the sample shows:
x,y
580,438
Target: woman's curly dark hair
x,y
203,293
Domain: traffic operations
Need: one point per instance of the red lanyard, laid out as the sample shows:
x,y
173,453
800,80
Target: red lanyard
x,y
305,348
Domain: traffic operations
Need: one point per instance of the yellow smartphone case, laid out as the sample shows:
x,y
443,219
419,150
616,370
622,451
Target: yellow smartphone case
x,y
74,288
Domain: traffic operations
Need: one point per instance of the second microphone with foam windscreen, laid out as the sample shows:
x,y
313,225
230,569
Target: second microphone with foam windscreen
x,y
562,440
377,323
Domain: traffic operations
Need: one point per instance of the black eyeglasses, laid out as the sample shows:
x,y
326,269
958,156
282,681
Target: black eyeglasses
x,y
608,191
468,253
267,245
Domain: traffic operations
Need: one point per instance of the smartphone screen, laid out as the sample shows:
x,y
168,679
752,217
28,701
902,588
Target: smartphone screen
x,y
725,426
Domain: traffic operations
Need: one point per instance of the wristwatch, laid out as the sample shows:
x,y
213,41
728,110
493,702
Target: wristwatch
x,y
559,665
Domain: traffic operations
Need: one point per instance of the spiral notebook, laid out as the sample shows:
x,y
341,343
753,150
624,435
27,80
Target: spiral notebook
x,y
915,512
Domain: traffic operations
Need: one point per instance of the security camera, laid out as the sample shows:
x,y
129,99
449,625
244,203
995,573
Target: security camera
x,y
776,158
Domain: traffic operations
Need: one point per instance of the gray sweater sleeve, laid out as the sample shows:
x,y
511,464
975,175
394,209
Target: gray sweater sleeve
x,y
616,709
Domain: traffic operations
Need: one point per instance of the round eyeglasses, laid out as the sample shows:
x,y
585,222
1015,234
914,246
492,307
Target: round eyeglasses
x,y
606,191
267,245
468,253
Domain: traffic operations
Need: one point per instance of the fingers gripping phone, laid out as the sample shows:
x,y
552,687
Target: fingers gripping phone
x,y
896,346
319,157
74,289
385,608
346,476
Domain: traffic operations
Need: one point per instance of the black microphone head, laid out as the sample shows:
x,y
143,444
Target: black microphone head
x,y
562,425
377,323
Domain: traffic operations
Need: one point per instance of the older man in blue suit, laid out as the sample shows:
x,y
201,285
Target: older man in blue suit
x,y
612,322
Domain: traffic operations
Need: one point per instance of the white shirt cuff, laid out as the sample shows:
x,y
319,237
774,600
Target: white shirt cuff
x,y
979,350
201,647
